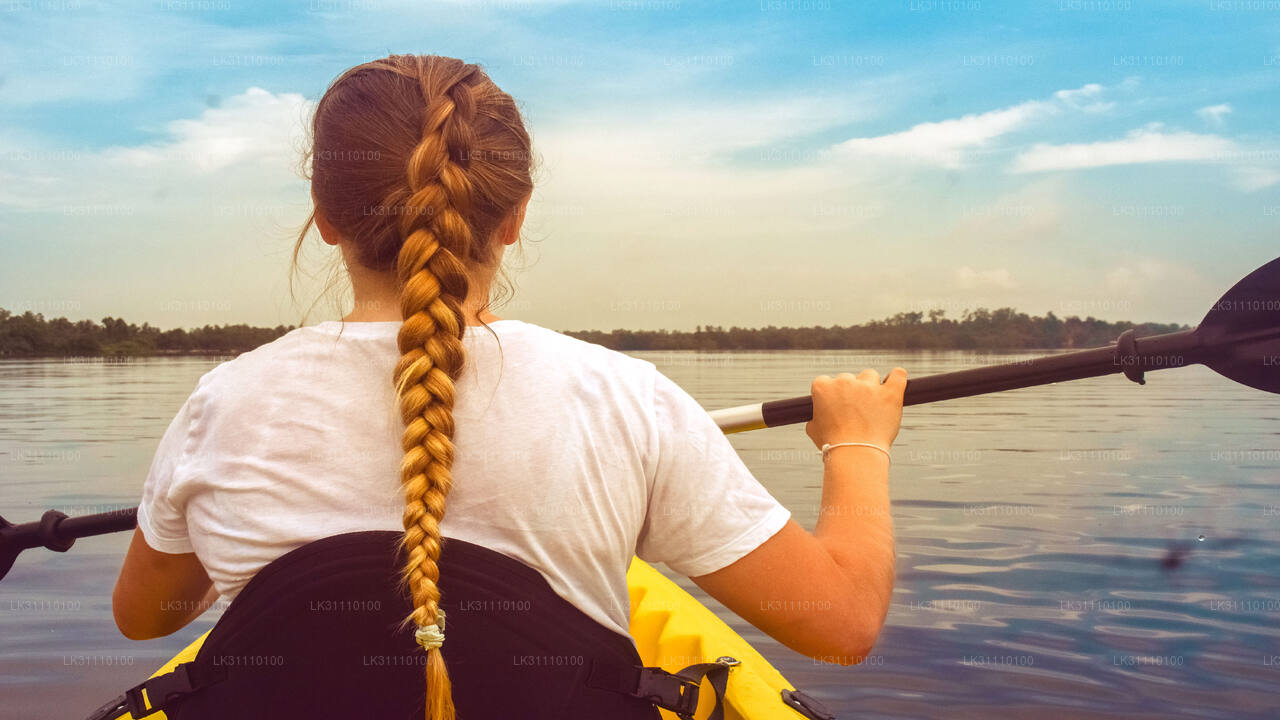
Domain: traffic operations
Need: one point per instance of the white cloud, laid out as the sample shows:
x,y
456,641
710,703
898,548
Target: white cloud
x,y
947,143
253,126
250,143
1215,115
1084,99
1144,145
968,278
1084,92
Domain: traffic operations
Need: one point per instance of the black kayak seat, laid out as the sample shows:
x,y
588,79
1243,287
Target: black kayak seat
x,y
320,633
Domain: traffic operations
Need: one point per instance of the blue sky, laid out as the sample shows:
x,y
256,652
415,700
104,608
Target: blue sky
x,y
730,163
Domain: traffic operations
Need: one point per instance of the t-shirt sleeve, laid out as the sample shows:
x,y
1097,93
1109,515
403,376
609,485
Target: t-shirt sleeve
x,y
160,517
706,510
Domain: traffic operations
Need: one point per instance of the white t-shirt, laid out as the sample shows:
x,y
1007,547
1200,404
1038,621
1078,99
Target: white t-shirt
x,y
569,457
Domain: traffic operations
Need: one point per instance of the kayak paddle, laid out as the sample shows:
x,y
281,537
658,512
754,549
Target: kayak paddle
x,y
1238,338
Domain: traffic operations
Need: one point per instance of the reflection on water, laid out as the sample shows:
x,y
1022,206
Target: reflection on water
x,y
1093,549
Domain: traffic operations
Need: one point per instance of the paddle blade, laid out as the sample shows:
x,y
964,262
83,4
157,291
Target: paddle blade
x,y
8,552
1242,330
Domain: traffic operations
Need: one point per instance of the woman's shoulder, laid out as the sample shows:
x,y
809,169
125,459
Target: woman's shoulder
x,y
262,366
561,347
303,356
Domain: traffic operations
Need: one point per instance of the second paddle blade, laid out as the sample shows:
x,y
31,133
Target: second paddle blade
x,y
1242,331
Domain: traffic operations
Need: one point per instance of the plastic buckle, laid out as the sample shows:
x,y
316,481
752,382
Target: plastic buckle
x,y
807,705
729,661
160,691
655,685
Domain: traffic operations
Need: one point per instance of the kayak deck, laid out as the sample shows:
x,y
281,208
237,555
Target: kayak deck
x,y
673,630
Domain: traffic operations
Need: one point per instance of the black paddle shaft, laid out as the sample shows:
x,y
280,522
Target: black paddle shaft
x,y
55,531
1131,356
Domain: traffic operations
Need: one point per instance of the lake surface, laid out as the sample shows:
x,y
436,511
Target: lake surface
x,y
1090,550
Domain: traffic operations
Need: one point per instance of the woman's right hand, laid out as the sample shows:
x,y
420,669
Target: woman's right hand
x,y
849,408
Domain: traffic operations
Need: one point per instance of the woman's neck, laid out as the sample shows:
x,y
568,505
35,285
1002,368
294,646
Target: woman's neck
x,y
377,298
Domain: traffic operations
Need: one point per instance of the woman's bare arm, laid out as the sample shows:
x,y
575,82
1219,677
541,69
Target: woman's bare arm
x,y
827,594
159,593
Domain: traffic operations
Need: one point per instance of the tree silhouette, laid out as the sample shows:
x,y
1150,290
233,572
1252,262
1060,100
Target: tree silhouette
x,y
31,335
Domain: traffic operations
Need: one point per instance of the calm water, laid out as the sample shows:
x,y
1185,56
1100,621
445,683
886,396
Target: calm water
x,y
1050,558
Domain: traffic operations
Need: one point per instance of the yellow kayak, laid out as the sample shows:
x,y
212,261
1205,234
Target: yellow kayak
x,y
673,630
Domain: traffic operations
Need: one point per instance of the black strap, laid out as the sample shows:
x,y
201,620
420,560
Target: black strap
x,y
677,692
160,692
717,673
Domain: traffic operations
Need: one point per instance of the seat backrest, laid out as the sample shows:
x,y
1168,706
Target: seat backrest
x,y
319,633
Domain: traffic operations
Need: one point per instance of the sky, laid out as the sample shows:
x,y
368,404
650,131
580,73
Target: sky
x,y
774,162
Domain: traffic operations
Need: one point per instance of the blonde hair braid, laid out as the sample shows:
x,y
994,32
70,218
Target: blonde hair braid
x,y
417,162
434,284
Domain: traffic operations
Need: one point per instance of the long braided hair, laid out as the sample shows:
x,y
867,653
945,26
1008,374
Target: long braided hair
x,y
419,161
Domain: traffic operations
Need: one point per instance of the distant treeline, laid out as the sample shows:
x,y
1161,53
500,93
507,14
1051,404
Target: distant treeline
x,y
31,335
1001,329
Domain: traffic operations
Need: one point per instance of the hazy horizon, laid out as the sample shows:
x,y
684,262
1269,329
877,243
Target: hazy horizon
x,y
704,326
